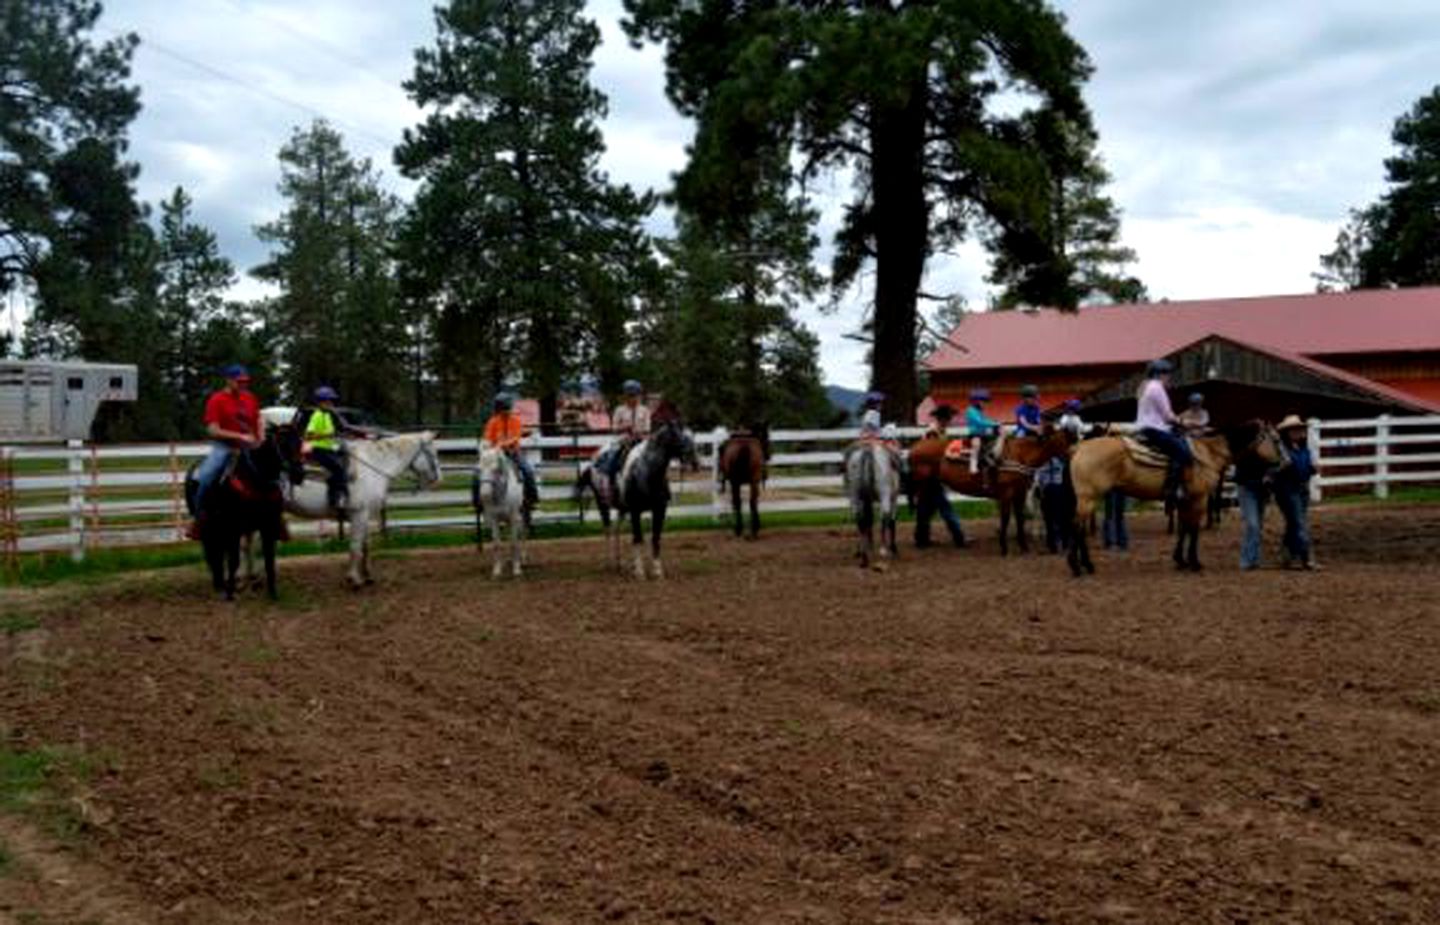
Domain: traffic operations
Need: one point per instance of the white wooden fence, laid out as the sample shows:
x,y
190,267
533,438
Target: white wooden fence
x,y
78,497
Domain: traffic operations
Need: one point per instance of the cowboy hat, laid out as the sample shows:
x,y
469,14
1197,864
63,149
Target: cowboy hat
x,y
943,411
1291,422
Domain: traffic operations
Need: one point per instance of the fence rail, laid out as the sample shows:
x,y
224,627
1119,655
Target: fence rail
x,y
81,497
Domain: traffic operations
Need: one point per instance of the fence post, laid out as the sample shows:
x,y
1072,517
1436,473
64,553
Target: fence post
x,y
1313,438
9,522
1382,456
717,497
75,465
93,525
177,494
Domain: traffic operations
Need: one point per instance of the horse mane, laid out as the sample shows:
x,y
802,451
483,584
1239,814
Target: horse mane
x,y
665,412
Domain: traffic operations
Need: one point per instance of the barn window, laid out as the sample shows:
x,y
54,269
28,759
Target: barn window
x,y
117,382
75,383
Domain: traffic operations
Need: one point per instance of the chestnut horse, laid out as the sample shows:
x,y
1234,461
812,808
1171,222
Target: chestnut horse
x,y
742,462
1106,462
1008,485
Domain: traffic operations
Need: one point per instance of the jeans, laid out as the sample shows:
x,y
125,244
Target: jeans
x,y
1114,533
209,471
1169,444
934,500
1294,505
333,463
1252,499
527,476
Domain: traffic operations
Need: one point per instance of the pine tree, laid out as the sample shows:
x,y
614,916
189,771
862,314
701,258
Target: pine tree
x,y
516,239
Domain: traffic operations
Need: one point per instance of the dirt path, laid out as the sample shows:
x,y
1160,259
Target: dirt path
x,y
772,736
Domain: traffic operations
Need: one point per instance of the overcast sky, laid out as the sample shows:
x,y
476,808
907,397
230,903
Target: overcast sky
x,y
1238,131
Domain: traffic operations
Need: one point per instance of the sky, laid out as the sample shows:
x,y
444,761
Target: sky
x,y
1239,133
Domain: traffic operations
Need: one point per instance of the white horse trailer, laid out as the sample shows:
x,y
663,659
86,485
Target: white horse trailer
x,y
55,401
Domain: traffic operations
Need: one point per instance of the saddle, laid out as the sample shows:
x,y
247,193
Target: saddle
x,y
957,450
1144,454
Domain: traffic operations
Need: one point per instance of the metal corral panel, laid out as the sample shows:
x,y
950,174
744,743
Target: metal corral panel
x,y
44,401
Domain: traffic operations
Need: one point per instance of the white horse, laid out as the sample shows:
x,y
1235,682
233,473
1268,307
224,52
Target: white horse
x,y
371,466
498,494
872,482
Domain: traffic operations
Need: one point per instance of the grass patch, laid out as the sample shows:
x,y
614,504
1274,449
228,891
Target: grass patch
x,y
1425,701
40,784
12,623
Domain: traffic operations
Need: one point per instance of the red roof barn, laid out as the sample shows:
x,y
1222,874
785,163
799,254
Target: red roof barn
x,y
1327,354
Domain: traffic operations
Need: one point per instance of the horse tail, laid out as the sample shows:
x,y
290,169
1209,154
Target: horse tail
x,y
867,486
722,466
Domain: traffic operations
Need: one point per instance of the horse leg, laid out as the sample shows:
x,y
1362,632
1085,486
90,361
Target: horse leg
x,y
1005,503
637,542
864,526
1197,515
232,564
215,559
497,553
754,510
1078,556
359,527
657,528
738,520
1021,539
267,551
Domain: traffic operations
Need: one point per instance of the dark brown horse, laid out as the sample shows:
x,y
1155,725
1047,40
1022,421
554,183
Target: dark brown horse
x,y
1008,485
742,461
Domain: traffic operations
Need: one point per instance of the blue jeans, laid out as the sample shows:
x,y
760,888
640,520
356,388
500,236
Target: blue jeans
x,y
209,471
1252,498
1169,444
1294,505
934,500
1114,531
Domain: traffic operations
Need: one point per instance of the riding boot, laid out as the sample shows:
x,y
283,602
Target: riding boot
x,y
1172,489
196,527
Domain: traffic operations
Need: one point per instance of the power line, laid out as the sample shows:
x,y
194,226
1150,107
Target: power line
x,y
335,51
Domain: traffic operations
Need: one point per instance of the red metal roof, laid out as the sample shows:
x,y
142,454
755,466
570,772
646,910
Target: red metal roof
x,y
1315,324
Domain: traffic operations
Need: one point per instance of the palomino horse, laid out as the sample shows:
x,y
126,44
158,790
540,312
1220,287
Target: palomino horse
x,y
1107,462
872,483
1008,485
498,495
371,465
742,462
643,485
247,499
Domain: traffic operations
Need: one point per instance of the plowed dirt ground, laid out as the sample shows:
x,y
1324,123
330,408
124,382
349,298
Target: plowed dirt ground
x,y
770,735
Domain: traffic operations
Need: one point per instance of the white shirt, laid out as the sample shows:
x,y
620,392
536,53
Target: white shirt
x,y
628,420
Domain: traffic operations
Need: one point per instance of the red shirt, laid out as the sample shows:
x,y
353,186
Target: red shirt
x,y
239,413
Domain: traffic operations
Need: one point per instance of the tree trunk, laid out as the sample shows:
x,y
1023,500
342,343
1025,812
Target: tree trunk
x,y
897,177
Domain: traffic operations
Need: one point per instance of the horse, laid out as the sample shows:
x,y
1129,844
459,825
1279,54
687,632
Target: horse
x,y
1008,485
1108,462
872,481
247,498
643,485
742,461
371,465
498,496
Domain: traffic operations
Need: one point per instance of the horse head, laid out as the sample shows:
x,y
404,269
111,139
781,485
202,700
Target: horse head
x,y
677,442
426,462
1258,438
289,445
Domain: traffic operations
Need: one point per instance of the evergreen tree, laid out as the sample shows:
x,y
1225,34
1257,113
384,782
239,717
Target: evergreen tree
x,y
338,319
899,93
516,239
193,278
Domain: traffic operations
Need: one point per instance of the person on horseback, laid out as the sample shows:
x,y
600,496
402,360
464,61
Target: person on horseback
x,y
1029,421
1070,420
1155,421
324,427
935,498
504,431
232,419
981,428
870,416
1195,419
631,423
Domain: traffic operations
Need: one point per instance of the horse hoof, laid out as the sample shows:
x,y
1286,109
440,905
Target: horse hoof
x,y
369,581
1090,567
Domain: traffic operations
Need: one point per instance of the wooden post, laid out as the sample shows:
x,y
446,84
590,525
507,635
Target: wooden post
x,y
9,523
75,465
1382,456
92,527
717,496
1315,432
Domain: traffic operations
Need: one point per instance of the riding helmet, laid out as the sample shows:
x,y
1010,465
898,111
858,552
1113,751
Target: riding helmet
x,y
1197,399
632,387
1029,391
1158,368
979,394
874,397
1072,404
235,371
325,393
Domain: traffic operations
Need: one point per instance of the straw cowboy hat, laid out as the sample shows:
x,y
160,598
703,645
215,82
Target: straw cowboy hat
x,y
1291,422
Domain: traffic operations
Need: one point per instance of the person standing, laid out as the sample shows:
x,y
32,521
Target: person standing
x,y
232,419
1252,492
1292,493
1113,532
934,499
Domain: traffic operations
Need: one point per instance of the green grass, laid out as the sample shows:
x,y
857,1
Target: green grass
x,y
38,783
12,623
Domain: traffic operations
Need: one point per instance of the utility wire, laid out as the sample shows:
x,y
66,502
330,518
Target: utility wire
x,y
330,48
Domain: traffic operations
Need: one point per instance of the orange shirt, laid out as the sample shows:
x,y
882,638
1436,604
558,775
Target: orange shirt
x,y
504,430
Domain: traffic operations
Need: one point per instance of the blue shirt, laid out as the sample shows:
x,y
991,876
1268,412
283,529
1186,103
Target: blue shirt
x,y
977,424
1028,418
1301,469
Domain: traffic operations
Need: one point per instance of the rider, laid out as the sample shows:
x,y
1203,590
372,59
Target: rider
x,y
981,428
870,417
1195,419
631,423
232,419
1070,419
324,426
504,431
1155,421
1028,418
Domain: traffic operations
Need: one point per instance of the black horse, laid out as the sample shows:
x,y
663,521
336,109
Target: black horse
x,y
643,485
247,499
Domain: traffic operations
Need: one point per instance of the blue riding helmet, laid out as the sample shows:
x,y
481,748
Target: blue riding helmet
x,y
874,397
631,387
1158,368
1029,391
1197,399
1072,404
979,394
235,371
325,393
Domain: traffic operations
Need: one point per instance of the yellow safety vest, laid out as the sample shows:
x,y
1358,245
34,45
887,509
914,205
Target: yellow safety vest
x,y
320,431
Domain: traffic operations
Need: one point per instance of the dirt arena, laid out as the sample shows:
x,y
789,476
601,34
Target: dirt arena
x,y
771,735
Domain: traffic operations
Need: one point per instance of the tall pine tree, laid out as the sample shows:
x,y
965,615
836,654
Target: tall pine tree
x,y
516,240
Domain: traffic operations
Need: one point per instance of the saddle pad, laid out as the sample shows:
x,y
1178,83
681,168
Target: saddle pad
x,y
957,450
1146,455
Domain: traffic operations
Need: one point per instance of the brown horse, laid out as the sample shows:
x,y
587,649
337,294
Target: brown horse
x,y
1008,485
742,462
1106,462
